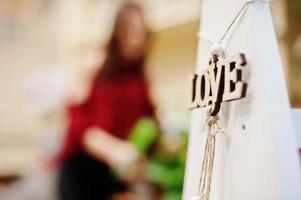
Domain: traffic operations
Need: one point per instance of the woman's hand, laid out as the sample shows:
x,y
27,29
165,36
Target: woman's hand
x,y
135,171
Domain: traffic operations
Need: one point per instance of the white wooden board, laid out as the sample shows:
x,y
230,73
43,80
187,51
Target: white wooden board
x,y
296,115
259,162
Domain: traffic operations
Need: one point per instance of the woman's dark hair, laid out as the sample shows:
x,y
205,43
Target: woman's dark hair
x,y
115,63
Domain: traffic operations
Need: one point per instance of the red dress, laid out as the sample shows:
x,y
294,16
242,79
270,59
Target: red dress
x,y
113,105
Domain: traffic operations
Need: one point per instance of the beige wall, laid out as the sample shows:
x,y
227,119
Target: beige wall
x,y
170,61
32,43
48,35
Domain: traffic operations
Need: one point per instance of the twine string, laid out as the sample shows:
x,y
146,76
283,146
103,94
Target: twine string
x,y
208,160
236,18
229,27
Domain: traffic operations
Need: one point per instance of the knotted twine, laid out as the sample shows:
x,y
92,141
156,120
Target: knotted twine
x,y
208,160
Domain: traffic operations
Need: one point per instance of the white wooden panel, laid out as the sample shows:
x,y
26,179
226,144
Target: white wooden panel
x,y
261,161
296,115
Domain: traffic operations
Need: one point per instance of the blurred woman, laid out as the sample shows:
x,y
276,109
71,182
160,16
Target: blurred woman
x,y
96,142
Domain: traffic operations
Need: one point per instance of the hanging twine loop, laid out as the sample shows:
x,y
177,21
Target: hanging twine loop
x,y
232,24
208,160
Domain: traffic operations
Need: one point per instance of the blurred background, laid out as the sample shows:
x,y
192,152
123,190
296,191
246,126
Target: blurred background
x,y
48,51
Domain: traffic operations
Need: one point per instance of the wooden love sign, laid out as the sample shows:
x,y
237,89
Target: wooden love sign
x,y
220,82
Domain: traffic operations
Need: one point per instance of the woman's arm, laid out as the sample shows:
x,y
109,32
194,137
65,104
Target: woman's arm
x,y
118,154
